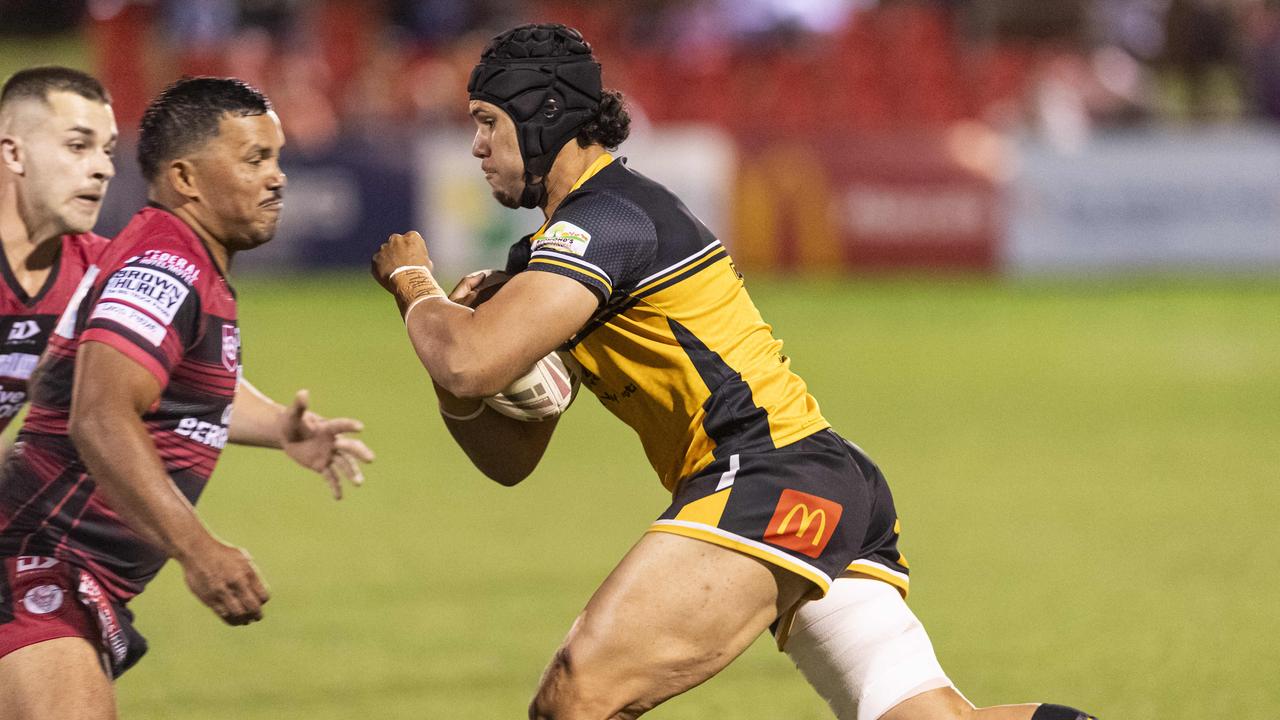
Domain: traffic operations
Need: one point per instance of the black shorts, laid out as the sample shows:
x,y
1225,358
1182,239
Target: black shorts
x,y
817,507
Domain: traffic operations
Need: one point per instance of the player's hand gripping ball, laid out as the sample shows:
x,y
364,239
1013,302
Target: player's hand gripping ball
x,y
550,385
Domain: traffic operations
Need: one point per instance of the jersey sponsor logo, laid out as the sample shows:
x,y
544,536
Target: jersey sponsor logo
x,y
11,401
156,292
67,323
42,599
135,320
23,330
803,522
30,563
175,264
565,237
92,596
18,366
205,433
230,347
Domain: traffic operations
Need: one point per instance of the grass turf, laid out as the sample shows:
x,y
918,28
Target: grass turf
x,y
1087,474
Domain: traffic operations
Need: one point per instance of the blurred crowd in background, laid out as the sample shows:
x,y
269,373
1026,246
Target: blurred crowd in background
x,y
814,135
1056,67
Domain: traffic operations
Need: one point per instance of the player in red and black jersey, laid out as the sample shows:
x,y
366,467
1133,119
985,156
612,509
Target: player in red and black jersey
x,y
132,405
57,136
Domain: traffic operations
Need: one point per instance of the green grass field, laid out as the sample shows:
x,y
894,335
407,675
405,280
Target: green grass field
x,y
1088,475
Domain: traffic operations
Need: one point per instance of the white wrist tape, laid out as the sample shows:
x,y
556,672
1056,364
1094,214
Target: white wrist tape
x,y
403,268
413,285
463,418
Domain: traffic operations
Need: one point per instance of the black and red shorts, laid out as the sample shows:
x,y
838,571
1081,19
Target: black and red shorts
x,y
817,507
43,598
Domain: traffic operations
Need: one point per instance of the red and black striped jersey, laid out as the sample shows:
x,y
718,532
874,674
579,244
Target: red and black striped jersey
x,y
27,320
157,296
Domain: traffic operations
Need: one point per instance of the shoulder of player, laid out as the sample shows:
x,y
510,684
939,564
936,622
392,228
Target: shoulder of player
x,y
161,241
596,221
603,209
86,247
88,241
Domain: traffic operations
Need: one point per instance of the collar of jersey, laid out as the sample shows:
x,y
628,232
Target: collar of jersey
x,y
595,167
192,236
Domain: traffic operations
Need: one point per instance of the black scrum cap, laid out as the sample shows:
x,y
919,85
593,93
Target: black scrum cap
x,y
546,79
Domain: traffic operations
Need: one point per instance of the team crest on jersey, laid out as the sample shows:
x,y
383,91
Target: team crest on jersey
x,y
564,237
43,599
230,347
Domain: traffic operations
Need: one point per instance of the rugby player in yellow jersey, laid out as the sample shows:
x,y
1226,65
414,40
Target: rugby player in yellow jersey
x,y
775,520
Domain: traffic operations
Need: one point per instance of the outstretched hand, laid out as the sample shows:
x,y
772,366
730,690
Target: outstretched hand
x,y
320,444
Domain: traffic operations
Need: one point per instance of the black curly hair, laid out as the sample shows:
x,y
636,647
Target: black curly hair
x,y
611,124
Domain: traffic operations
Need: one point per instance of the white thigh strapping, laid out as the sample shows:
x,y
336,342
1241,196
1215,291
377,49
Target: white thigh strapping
x,y
863,649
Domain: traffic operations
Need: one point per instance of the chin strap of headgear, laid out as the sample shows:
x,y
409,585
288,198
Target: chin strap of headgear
x,y
545,78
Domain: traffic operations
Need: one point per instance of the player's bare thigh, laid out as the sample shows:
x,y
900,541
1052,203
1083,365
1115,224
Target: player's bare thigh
x,y
59,679
673,613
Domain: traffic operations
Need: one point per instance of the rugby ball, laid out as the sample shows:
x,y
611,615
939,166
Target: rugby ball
x,y
540,394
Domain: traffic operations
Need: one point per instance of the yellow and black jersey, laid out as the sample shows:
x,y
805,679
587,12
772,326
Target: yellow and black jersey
x,y
677,350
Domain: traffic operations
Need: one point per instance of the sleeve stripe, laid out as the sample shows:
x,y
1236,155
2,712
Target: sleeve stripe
x,y
607,286
701,264
130,350
573,261
679,265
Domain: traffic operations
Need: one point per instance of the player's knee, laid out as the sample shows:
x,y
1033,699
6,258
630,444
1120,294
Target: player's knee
x,y
577,688
568,692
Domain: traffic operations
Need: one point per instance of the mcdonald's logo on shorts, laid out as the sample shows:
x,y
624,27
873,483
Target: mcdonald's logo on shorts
x,y
803,523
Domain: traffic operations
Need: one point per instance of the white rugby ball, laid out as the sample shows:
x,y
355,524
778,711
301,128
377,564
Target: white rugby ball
x,y
540,394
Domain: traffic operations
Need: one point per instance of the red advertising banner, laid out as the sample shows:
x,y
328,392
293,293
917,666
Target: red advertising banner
x,y
866,202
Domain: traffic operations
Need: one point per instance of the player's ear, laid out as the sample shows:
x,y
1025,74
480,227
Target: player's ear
x,y
181,174
11,154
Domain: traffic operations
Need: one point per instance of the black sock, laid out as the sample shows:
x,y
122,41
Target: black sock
x,y
1049,711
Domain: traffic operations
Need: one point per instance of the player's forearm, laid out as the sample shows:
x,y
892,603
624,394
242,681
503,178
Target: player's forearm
x,y
435,324
505,454
120,457
504,449
476,353
256,419
452,346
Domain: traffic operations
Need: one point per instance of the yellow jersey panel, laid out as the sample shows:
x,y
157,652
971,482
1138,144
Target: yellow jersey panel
x,y
677,350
